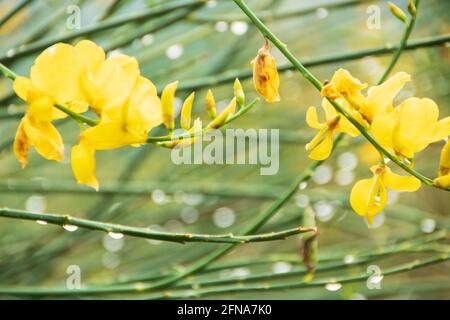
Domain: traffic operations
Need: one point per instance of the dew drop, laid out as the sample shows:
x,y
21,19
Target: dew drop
x,y
349,259
333,286
36,204
70,227
10,53
324,211
428,225
303,185
301,200
281,267
115,235
112,244
41,222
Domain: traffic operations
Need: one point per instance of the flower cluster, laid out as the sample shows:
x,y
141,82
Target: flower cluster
x,y
70,80
403,131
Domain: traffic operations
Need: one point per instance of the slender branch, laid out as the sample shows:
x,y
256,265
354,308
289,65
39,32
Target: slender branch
x,y
401,46
107,24
8,73
268,15
416,264
76,116
318,85
64,220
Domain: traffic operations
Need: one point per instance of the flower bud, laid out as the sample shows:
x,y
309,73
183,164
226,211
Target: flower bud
x,y
186,110
167,101
239,92
412,8
397,12
210,104
265,74
220,120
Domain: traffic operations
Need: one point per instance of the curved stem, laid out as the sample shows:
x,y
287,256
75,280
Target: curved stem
x,y
401,46
318,85
76,116
145,233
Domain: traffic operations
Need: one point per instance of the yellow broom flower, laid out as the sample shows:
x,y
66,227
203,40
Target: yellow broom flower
x,y
443,180
369,196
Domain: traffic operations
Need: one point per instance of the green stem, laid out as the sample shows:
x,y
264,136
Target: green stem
x,y
270,15
318,85
145,233
401,46
416,264
231,75
78,117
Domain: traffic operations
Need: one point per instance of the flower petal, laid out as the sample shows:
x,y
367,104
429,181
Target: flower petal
x,y
44,137
368,197
380,98
312,119
82,159
398,182
322,150
21,145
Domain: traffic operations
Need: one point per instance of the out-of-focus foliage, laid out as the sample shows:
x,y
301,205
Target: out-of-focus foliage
x,y
193,43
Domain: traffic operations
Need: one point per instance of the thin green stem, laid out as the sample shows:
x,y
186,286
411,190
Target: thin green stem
x,y
401,46
416,264
78,117
318,85
64,220
8,73
231,75
270,15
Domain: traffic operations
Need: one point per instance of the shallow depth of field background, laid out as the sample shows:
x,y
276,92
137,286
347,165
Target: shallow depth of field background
x,y
223,198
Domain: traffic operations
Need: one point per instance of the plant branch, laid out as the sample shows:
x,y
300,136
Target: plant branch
x,y
146,233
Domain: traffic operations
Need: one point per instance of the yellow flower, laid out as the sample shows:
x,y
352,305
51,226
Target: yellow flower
x,y
378,100
265,74
344,85
40,134
443,180
411,127
369,196
54,79
121,125
321,145
108,83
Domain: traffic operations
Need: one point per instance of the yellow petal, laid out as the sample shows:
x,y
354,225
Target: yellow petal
x,y
21,145
417,120
111,85
143,109
380,98
82,159
397,182
23,87
443,181
330,112
444,160
382,129
321,145
368,197
44,137
186,110
57,72
110,135
441,130
350,88
312,119
92,56
167,101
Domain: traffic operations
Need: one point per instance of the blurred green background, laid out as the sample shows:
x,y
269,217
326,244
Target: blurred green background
x,y
200,45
